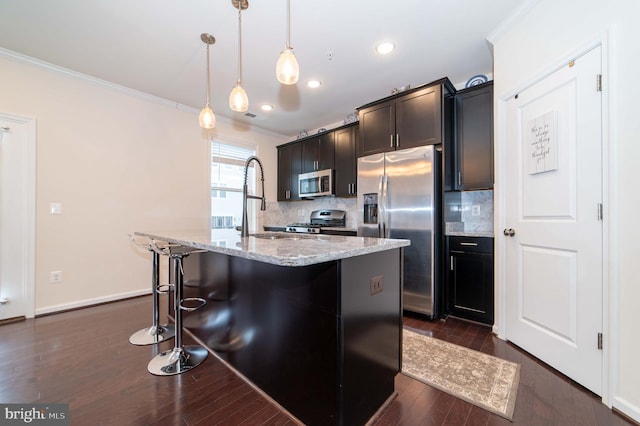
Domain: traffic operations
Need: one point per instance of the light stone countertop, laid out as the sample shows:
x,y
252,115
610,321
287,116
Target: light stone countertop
x,y
285,249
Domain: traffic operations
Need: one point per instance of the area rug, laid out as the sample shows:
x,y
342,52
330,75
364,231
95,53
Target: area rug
x,y
480,379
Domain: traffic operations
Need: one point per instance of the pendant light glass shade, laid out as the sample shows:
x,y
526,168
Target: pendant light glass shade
x,y
238,99
206,118
287,69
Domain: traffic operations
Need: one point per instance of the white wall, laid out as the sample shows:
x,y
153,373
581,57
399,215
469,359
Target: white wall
x,y
547,33
118,162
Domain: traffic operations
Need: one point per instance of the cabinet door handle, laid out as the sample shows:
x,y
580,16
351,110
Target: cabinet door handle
x,y
397,140
459,178
287,194
451,262
469,244
390,141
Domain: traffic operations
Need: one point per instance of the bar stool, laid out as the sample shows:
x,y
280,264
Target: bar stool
x,y
182,357
157,332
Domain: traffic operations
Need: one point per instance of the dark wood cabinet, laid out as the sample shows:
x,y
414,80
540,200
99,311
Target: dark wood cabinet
x,y
289,166
335,149
470,285
346,173
415,118
472,166
318,153
377,129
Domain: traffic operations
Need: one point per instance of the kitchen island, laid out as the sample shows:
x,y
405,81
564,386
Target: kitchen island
x,y
315,321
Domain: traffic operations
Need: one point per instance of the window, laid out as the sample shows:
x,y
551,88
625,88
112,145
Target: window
x,y
227,178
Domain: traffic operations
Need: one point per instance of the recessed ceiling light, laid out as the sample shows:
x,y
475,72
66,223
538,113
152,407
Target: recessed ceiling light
x,y
385,47
266,107
314,84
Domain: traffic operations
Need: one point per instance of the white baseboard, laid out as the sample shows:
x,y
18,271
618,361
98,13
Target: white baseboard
x,y
90,302
627,408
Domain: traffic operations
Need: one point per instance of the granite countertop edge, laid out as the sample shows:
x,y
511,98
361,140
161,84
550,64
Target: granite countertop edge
x,y
297,250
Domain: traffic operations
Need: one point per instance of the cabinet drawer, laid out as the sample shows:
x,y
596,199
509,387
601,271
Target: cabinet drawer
x,y
471,244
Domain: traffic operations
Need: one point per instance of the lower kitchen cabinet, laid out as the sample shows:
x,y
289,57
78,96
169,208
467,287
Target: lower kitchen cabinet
x,y
470,285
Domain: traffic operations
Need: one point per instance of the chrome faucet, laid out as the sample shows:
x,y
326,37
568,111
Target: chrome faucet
x,y
244,231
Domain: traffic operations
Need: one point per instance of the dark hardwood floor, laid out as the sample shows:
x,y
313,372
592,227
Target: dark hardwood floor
x,y
83,358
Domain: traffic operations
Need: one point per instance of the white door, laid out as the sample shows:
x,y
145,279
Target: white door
x,y
17,217
553,195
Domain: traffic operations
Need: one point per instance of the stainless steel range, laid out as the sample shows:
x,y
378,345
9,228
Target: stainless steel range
x,y
318,220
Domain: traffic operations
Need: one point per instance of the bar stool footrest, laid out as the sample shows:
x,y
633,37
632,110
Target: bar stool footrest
x,y
200,300
165,288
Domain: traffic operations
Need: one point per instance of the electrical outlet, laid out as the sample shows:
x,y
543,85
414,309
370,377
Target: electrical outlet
x,y
376,284
475,210
55,277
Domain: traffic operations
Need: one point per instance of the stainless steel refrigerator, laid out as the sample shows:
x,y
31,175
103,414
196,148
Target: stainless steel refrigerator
x,y
399,196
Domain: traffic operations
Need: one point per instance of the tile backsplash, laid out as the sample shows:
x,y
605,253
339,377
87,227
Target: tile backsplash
x,y
284,213
469,211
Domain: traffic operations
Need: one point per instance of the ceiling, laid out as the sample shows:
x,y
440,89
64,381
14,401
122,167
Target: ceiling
x,y
154,46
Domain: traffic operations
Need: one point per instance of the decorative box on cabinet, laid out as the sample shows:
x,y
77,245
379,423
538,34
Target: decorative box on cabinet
x,y
470,286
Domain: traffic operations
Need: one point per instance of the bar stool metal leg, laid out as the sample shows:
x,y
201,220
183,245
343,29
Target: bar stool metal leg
x,y
157,332
181,358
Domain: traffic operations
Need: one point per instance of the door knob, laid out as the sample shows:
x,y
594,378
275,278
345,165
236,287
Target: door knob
x,y
510,232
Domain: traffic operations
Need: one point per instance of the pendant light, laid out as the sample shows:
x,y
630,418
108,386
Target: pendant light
x,y
207,119
238,100
287,69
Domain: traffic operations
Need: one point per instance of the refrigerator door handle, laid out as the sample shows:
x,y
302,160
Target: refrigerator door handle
x,y
385,201
381,207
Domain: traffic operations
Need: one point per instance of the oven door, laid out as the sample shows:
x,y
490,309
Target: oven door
x,y
316,184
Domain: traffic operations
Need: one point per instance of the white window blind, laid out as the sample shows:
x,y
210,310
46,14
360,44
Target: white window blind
x,y
227,166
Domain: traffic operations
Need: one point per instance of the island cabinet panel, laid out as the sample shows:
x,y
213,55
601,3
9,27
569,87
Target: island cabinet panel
x,y
314,338
371,332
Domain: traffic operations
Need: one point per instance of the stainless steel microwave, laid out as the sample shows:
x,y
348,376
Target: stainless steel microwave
x,y
316,184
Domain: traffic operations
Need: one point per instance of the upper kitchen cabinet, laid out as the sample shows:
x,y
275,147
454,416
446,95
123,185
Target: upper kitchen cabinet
x,y
289,166
318,153
473,153
413,118
346,175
